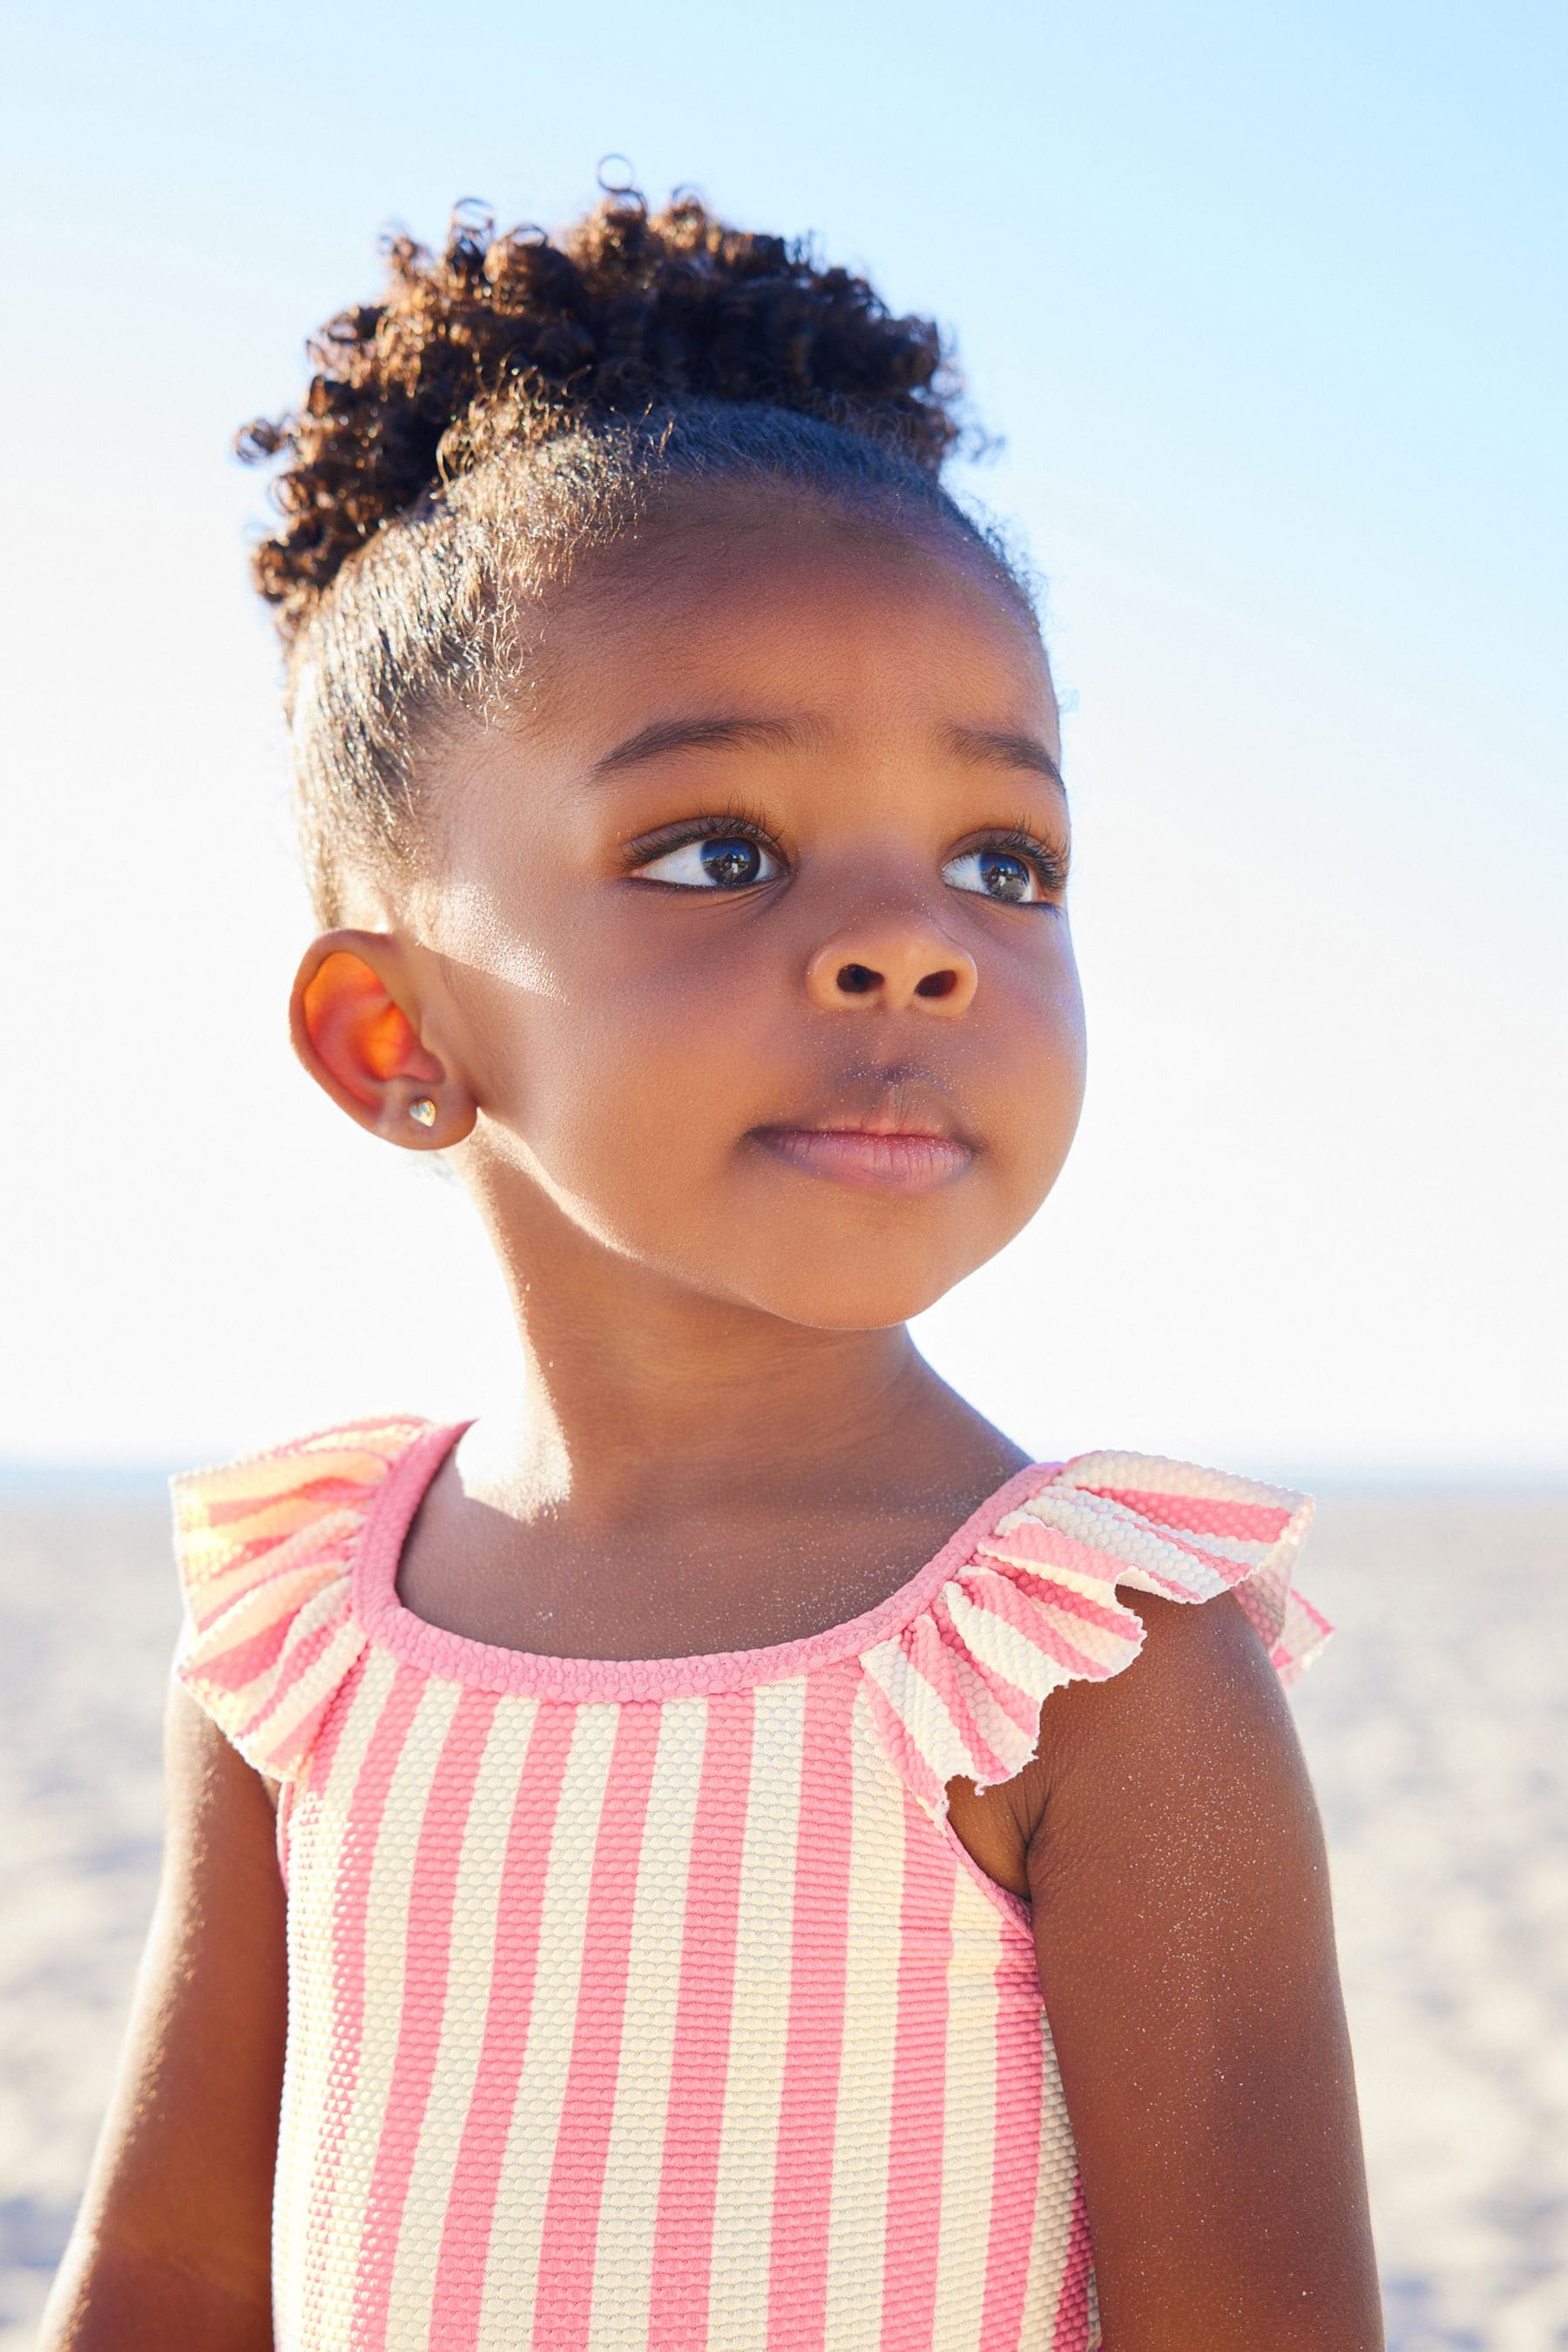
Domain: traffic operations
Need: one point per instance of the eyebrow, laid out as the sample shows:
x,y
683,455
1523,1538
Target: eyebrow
x,y
997,747
992,746
723,734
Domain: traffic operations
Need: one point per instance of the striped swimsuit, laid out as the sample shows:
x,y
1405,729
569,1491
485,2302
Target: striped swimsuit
x,y
657,2004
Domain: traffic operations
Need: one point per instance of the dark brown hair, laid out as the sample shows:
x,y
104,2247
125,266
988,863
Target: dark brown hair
x,y
514,401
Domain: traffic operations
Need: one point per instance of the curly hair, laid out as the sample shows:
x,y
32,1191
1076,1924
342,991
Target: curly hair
x,y
514,400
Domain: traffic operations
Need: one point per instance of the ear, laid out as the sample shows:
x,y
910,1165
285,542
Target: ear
x,y
354,1019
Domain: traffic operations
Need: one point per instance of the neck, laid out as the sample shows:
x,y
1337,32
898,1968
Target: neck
x,y
642,1396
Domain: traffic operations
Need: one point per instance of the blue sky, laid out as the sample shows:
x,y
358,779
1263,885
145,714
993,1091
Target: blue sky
x,y
1267,307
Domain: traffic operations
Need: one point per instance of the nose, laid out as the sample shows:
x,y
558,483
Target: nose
x,y
902,966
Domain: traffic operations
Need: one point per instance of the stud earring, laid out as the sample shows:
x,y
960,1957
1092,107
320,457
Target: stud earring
x,y
422,1111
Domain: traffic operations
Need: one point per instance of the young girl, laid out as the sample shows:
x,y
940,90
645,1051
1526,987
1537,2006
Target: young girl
x,y
623,1886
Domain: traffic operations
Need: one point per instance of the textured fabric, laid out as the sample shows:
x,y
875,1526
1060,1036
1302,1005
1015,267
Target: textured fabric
x,y
656,2003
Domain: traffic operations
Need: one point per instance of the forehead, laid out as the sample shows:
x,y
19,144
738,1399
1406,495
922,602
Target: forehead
x,y
855,623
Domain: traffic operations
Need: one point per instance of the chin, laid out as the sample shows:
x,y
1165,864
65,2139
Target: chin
x,y
857,1290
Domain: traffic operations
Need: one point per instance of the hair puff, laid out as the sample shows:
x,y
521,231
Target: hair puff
x,y
519,337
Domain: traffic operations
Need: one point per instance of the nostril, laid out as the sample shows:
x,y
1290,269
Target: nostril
x,y
855,978
937,983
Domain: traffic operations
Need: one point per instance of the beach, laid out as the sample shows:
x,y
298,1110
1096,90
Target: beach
x,y
1434,1726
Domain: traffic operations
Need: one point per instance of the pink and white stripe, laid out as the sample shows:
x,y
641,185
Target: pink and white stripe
x,y
656,2003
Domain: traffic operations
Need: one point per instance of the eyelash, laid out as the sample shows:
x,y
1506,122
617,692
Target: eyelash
x,y
737,823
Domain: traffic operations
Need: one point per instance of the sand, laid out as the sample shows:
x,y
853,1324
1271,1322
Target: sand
x,y
1434,1726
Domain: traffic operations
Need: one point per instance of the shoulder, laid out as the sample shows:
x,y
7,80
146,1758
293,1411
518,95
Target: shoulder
x,y
1191,1661
1108,1560
265,1547
1204,1704
1163,1738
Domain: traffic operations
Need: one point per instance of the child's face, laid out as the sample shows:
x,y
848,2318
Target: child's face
x,y
736,941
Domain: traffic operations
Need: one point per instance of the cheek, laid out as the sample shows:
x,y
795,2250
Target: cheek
x,y
619,1069
1037,1065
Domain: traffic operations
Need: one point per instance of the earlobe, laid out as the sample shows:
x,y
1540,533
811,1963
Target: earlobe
x,y
354,1020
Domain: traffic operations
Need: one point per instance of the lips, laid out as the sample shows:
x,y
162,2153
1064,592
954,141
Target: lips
x,y
892,1132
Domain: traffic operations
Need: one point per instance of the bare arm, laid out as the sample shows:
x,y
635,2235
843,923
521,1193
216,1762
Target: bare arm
x,y
172,2242
1186,1958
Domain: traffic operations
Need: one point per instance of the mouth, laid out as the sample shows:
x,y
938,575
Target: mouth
x,y
890,1134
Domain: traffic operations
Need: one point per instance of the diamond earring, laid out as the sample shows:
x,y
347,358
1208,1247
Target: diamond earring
x,y
422,1111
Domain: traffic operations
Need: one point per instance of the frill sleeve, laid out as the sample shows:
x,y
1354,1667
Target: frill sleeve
x,y
265,1548
957,1691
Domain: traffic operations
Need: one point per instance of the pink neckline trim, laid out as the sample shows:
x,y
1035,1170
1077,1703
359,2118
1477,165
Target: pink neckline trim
x,y
485,1665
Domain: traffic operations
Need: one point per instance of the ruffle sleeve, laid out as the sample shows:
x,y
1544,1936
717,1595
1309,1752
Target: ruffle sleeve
x,y
265,1548
957,1691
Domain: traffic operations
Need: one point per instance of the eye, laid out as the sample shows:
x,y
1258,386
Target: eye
x,y
995,873
721,861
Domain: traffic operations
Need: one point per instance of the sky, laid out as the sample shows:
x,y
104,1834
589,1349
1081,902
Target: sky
x,y
1265,307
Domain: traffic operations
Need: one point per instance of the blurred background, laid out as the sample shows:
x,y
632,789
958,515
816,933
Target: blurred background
x,y
1268,309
